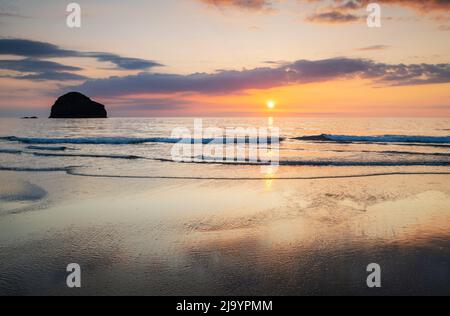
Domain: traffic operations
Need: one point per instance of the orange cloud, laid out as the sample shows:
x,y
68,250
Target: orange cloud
x,y
348,11
246,4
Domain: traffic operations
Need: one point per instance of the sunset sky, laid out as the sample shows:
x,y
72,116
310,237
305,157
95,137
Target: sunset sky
x,y
228,57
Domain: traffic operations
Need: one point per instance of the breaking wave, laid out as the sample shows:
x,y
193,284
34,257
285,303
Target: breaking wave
x,y
377,139
131,141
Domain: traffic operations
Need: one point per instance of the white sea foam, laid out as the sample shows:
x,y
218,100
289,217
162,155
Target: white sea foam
x,y
128,140
378,139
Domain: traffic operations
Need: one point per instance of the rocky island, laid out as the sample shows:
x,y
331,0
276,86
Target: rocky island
x,y
76,105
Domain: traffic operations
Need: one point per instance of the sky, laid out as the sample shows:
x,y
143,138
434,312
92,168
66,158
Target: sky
x,y
228,57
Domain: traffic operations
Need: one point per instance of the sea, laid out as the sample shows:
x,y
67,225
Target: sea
x,y
301,147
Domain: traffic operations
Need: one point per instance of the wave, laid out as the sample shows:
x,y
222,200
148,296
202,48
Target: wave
x,y
377,139
73,172
61,148
133,141
349,176
131,157
366,163
384,152
10,151
393,152
321,163
31,169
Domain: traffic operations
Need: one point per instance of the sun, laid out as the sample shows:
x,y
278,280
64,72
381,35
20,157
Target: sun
x,y
271,104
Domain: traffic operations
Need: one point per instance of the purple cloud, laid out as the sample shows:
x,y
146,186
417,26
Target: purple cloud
x,y
35,49
299,72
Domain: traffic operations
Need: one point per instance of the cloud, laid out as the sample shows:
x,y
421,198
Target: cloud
x,y
39,70
338,12
373,48
123,62
348,11
299,72
420,5
51,76
348,5
35,49
4,14
242,4
34,65
342,6
9,10
333,17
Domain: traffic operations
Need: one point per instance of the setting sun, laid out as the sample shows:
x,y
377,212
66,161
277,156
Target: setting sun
x,y
271,104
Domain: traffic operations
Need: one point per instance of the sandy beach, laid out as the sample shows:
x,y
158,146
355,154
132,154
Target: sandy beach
x,y
210,237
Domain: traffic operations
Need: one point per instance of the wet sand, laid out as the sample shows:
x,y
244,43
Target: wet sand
x,y
219,237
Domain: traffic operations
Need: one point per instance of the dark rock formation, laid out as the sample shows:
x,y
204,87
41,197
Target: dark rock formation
x,y
29,118
77,105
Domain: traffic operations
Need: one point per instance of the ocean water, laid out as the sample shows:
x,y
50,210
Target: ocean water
x,y
107,195
141,147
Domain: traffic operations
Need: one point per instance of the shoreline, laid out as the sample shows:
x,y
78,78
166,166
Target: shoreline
x,y
68,171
